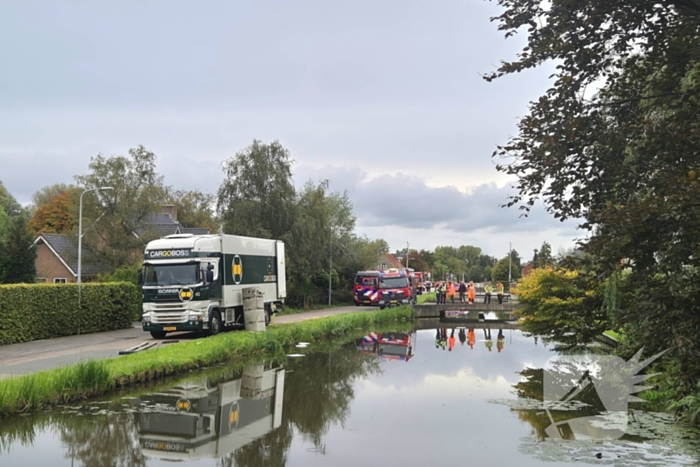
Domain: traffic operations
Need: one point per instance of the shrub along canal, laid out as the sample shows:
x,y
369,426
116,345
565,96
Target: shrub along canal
x,y
408,397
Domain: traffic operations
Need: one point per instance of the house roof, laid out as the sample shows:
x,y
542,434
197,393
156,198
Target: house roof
x,y
66,249
163,225
393,261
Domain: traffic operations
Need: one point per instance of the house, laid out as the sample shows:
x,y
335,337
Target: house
x,y
57,260
57,255
388,261
527,269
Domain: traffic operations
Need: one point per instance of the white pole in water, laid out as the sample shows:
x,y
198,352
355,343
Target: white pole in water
x,y
80,245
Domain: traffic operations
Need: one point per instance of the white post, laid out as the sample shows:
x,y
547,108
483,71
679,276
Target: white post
x,y
80,246
408,252
510,264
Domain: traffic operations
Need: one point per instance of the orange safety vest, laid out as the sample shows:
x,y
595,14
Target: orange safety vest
x,y
451,290
472,294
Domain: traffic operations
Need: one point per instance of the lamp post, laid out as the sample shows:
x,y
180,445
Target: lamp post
x,y
330,269
510,263
80,244
408,252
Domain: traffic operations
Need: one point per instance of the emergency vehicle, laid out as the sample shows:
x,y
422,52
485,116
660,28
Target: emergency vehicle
x,y
366,288
395,289
397,346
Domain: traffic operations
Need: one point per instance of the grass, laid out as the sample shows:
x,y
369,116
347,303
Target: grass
x,y
426,297
287,310
31,392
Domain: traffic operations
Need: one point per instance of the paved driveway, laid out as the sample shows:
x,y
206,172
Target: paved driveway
x,y
28,357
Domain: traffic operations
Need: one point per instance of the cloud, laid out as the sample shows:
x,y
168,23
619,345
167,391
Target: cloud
x,y
406,201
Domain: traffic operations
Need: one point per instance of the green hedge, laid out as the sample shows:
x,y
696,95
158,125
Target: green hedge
x,y
40,311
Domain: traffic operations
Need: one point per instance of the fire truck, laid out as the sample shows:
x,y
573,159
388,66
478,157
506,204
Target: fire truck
x,y
366,288
395,289
397,346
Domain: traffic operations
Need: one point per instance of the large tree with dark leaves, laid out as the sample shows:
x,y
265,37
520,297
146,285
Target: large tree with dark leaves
x,y
623,159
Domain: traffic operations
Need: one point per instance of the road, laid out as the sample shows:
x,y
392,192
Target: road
x,y
28,357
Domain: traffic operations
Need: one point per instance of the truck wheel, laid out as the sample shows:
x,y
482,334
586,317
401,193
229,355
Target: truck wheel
x,y
381,307
358,304
268,316
214,323
158,334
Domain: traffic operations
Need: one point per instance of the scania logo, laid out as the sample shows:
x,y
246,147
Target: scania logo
x,y
168,291
186,294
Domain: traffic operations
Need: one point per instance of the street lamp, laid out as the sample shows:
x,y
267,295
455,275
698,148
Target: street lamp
x,y
510,262
80,243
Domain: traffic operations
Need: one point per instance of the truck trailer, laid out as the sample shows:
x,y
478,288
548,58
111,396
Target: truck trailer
x,y
195,282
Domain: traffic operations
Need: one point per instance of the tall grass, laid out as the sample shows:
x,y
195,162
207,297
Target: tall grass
x,y
426,297
31,392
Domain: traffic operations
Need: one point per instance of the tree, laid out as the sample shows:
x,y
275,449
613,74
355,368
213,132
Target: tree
x,y
257,196
543,256
17,261
196,209
623,161
503,268
57,215
46,194
110,218
8,202
562,304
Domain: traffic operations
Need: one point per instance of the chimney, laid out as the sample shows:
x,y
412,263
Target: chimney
x,y
171,210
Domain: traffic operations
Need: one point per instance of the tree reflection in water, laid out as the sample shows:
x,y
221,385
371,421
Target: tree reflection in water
x,y
317,394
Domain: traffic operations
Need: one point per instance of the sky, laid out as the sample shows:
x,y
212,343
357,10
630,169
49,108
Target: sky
x,y
384,99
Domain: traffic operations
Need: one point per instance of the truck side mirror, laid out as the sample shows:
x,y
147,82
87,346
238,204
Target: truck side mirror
x,y
210,275
139,276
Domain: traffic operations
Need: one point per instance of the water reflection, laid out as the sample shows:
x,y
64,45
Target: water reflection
x,y
199,419
351,405
398,346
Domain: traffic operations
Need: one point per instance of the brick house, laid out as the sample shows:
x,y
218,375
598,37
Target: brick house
x,y
527,269
57,255
388,261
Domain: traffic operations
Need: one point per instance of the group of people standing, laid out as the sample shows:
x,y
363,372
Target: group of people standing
x,y
467,292
444,342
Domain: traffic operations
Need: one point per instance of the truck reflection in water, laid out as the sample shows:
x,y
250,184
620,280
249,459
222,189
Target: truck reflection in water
x,y
200,420
388,345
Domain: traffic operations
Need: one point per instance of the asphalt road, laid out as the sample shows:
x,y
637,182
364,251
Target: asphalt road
x,y
28,357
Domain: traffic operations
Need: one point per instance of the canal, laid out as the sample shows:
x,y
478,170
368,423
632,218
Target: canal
x,y
427,397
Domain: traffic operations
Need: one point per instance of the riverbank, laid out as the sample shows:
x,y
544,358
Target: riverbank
x,y
37,390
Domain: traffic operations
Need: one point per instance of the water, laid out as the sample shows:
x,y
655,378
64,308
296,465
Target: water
x,y
409,401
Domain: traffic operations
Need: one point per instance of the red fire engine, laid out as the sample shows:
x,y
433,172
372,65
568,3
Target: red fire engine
x,y
366,288
388,346
395,289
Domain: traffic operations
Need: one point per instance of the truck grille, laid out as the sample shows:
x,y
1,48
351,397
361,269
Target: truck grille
x,y
170,307
168,318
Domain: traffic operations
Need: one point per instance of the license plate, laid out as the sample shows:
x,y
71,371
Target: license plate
x,y
169,328
394,301
367,301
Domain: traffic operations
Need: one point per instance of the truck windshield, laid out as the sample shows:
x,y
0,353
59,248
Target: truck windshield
x,y
393,283
365,280
170,274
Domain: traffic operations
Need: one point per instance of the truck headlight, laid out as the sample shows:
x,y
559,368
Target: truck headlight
x,y
196,317
146,319
404,301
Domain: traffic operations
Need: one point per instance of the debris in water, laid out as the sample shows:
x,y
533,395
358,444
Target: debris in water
x,y
294,355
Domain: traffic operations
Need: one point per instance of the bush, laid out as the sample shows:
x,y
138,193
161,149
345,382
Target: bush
x,y
41,311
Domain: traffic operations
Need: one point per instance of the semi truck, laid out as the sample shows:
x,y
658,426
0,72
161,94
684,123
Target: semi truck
x,y
195,282
198,419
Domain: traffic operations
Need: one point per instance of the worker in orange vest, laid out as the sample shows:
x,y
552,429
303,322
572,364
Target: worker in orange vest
x,y
472,293
451,291
452,340
471,338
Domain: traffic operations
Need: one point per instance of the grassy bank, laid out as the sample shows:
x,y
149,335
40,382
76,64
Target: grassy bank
x,y
426,297
288,310
33,391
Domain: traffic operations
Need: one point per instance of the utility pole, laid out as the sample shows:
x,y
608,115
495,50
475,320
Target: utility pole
x,y
330,269
510,263
408,252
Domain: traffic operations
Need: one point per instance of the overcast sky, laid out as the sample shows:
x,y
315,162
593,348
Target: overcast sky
x,y
384,98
